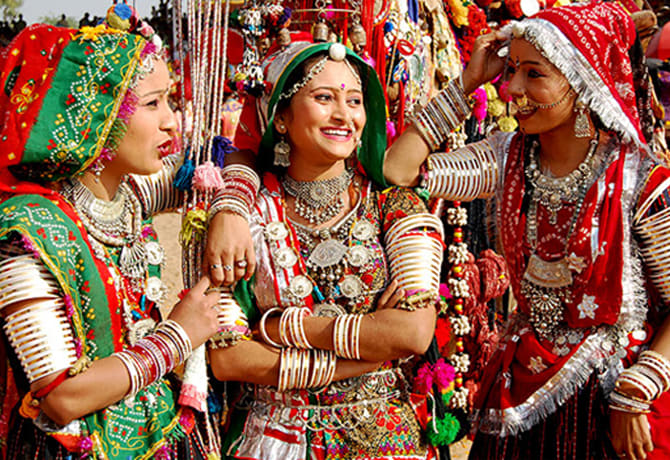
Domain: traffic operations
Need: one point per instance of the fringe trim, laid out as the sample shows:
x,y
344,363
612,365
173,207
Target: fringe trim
x,y
592,355
591,89
603,349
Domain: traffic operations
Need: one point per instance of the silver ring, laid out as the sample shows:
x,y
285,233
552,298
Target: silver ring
x,y
227,267
241,263
214,266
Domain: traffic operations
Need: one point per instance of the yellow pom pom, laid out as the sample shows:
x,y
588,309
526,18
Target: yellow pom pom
x,y
496,108
507,124
491,92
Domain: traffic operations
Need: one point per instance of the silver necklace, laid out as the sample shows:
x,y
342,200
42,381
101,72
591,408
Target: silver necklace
x,y
546,283
116,223
553,191
318,201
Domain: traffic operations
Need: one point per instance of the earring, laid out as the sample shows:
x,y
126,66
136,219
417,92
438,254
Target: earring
x,y
282,150
582,123
96,169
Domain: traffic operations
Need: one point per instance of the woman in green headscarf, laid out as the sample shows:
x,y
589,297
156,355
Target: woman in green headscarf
x,y
322,376
88,358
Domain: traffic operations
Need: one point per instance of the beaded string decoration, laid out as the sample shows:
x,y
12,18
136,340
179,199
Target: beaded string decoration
x,y
457,217
199,178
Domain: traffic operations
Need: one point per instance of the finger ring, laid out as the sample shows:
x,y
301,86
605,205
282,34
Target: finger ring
x,y
214,266
241,263
227,267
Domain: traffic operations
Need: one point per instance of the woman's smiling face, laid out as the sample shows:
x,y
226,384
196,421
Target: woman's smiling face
x,y
325,119
547,99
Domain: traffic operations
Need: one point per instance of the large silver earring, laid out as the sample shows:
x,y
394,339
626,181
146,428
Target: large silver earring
x,y
282,150
582,123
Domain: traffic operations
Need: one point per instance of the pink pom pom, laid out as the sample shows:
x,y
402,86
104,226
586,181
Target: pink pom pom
x,y
423,381
207,177
78,348
444,291
504,92
480,104
329,14
443,374
69,305
390,130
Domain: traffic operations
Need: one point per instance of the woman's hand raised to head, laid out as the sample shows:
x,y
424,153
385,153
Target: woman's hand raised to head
x,y
197,312
229,255
485,63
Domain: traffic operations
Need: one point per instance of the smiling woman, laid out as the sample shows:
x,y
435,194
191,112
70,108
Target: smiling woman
x,y
582,212
327,240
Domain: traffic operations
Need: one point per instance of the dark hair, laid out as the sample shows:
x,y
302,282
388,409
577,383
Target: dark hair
x,y
643,89
265,157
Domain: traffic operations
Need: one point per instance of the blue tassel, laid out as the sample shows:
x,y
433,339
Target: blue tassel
x,y
221,146
318,294
184,176
413,10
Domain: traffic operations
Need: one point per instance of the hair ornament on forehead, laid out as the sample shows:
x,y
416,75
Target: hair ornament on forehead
x,y
337,52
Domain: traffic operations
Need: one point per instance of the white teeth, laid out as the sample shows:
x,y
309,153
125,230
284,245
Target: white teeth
x,y
336,132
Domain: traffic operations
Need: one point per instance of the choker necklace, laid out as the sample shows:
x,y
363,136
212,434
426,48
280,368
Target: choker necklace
x,y
318,201
116,223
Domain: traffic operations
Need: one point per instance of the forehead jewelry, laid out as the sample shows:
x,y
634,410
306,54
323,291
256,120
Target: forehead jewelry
x,y
343,86
337,52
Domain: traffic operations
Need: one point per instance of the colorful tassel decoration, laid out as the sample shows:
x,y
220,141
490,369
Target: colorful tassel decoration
x,y
194,226
207,177
184,177
443,431
221,146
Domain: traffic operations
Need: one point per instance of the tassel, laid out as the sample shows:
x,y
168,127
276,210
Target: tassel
x,y
184,177
390,130
207,177
444,430
221,146
480,106
194,226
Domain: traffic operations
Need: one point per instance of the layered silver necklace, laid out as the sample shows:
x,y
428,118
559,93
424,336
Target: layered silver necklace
x,y
546,284
318,201
116,223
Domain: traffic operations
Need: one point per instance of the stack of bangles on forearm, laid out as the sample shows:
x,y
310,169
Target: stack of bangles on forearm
x,y
238,195
299,356
442,114
155,355
650,376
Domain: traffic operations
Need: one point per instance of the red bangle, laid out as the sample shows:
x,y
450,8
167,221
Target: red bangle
x,y
45,390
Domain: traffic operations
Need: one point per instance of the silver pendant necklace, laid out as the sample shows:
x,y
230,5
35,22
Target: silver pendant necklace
x,y
116,223
546,284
